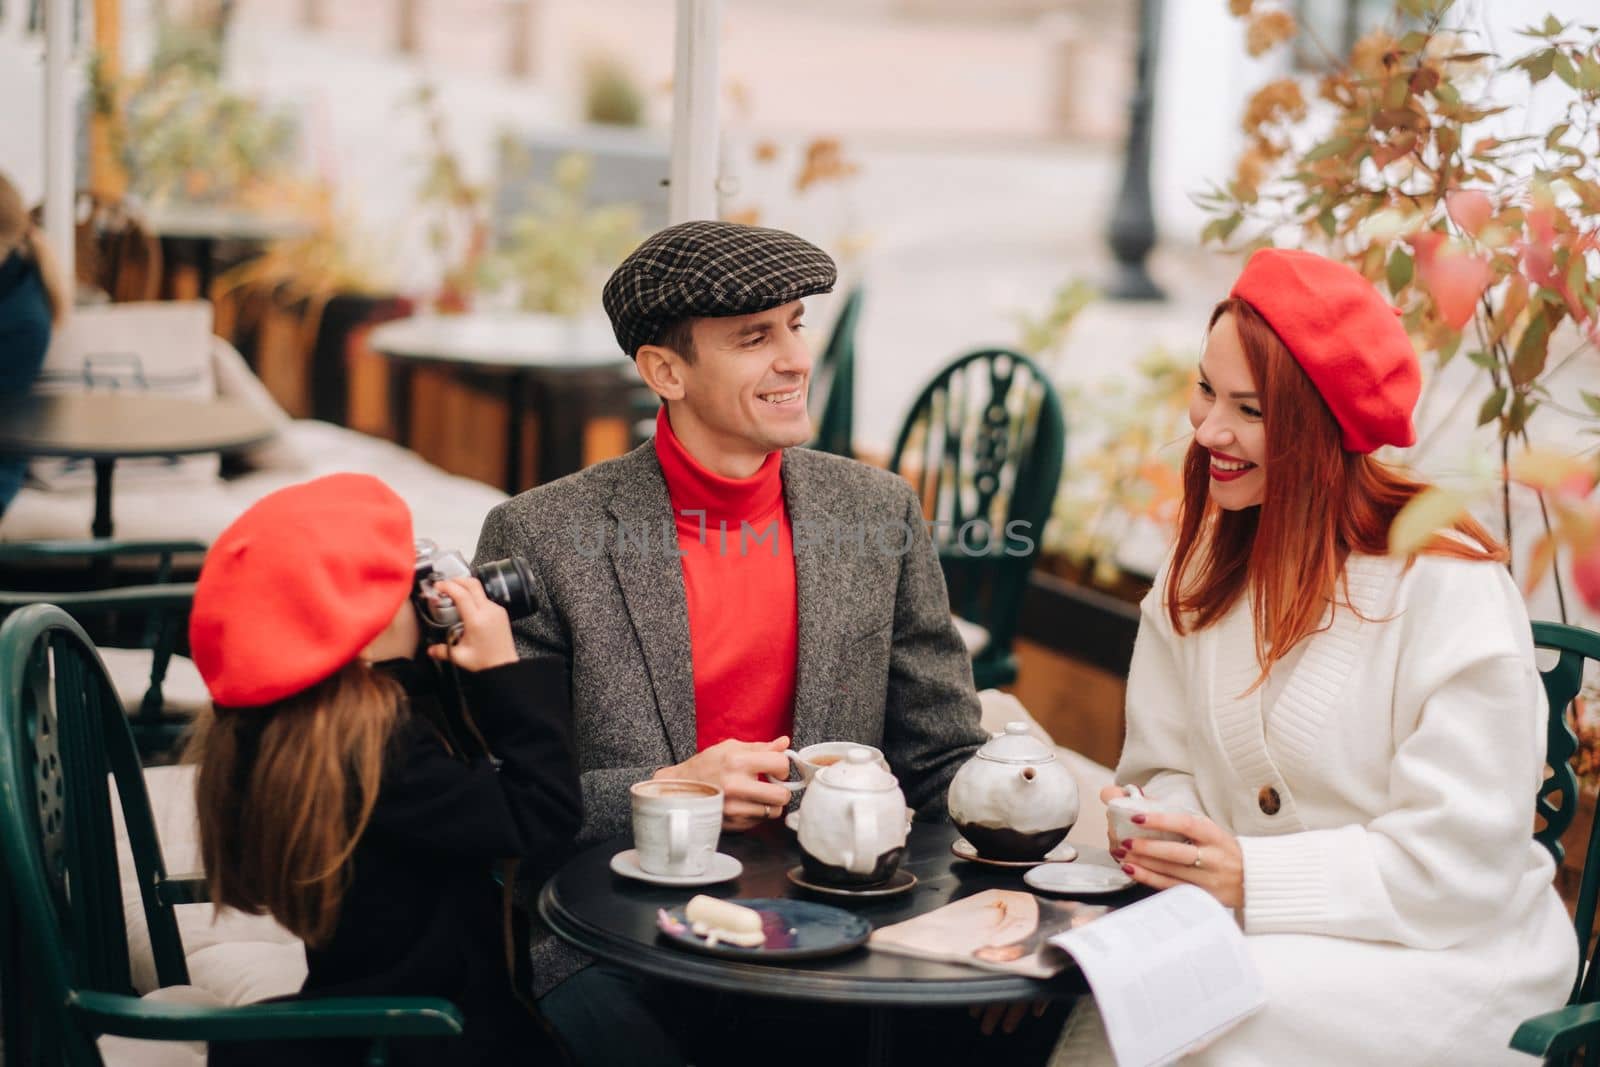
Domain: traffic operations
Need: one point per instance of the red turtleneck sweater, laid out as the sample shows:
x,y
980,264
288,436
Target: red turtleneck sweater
x,y
744,630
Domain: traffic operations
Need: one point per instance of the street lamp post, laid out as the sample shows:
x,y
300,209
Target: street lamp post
x,y
1133,226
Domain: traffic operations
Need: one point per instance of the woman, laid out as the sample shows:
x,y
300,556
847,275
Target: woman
x,y
345,791
1360,736
32,301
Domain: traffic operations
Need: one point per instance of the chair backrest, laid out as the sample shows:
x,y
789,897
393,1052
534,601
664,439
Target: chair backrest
x,y
1557,802
62,737
835,379
983,445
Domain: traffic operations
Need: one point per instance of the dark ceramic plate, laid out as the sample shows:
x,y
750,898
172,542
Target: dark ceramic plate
x,y
795,929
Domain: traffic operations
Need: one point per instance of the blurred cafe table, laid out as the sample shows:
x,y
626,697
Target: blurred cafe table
x,y
106,427
193,231
565,370
614,919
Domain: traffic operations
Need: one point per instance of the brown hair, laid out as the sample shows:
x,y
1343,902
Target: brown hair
x,y
1320,504
19,233
678,335
284,793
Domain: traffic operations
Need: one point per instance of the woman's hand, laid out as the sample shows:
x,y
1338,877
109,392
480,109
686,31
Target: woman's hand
x,y
485,639
1210,859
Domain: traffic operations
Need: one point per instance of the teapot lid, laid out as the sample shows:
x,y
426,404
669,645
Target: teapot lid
x,y
858,771
1016,744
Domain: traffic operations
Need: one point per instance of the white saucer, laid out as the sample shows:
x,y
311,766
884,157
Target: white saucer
x,y
1079,879
723,868
1062,853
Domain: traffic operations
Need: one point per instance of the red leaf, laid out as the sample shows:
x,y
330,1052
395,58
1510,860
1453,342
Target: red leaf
x,y
1456,282
1539,263
1470,208
1425,243
1586,576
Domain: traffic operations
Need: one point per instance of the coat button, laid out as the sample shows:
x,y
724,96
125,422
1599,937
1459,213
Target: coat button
x,y
1269,800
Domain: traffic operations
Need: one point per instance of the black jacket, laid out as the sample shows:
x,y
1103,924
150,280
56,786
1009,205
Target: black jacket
x,y
24,323
423,915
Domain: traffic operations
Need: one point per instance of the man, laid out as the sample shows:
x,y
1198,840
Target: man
x,y
720,592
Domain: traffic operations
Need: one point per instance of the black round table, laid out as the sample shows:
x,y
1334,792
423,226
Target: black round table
x,y
614,919
106,427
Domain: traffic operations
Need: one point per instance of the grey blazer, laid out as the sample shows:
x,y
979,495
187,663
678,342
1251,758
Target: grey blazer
x,y
879,659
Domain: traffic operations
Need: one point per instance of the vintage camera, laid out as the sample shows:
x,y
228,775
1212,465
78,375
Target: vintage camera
x,y
508,582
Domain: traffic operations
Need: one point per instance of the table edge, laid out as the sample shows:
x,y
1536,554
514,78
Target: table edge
x,y
733,976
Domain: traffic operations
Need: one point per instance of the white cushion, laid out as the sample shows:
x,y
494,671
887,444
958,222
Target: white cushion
x,y
153,347
183,691
447,508
235,957
973,636
1000,708
237,382
137,1052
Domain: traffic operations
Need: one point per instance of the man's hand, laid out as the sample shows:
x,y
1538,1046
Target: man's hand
x,y
1006,1016
736,768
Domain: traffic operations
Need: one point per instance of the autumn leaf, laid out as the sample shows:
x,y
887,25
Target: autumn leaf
x,y
1276,101
1456,281
1586,575
1469,208
1430,511
1533,348
1267,30
1554,472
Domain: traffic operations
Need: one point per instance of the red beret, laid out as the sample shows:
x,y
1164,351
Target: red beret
x,y
298,585
1345,336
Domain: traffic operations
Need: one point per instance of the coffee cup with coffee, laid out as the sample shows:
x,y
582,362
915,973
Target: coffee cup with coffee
x,y
1121,810
676,825
804,764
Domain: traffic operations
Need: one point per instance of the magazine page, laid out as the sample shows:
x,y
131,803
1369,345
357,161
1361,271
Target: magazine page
x,y
997,930
1169,974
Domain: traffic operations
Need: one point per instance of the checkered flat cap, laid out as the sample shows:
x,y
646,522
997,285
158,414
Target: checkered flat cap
x,y
711,270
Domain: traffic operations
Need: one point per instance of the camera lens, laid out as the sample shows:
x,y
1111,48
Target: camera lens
x,y
509,583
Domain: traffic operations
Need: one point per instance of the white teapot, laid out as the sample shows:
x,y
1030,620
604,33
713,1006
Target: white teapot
x,y
1013,800
853,823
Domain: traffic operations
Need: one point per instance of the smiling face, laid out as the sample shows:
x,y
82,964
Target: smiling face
x,y
742,393
1226,415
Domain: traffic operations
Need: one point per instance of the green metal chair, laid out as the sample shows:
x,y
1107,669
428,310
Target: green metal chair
x,y
150,617
835,379
1572,1034
983,445
66,971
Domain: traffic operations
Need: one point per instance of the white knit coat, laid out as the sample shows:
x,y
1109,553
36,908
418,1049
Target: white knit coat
x,y
1396,904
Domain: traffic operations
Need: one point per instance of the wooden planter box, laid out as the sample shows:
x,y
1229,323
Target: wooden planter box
x,y
1074,643
1576,840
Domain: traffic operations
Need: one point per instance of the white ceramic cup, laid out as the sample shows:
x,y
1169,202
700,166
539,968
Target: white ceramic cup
x,y
1121,810
805,764
676,824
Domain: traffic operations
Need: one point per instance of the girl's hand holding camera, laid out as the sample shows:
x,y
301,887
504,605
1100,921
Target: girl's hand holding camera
x,y
485,640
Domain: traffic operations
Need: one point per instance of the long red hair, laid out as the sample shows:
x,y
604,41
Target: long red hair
x,y
1320,504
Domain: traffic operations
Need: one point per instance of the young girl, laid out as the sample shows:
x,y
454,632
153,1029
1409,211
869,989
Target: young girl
x,y
343,790
1360,736
32,300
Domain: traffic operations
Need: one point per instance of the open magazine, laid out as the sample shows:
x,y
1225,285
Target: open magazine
x,y
1169,973
997,929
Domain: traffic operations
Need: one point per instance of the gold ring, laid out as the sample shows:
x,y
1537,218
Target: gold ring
x,y
1197,865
